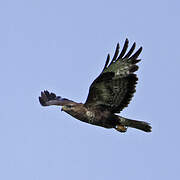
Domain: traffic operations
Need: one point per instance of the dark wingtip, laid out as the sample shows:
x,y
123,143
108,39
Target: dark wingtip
x,y
45,96
116,52
130,51
118,46
124,48
107,62
138,52
42,102
46,92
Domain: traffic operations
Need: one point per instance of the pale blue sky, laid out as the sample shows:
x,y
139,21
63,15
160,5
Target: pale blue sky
x,y
62,46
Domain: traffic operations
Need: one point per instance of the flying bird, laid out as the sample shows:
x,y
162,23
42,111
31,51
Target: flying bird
x,y
108,95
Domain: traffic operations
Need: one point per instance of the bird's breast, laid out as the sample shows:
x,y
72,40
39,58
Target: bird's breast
x,y
90,116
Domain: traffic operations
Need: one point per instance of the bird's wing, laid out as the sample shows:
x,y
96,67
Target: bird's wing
x,y
48,99
114,87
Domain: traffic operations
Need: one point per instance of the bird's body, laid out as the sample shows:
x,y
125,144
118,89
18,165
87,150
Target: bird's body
x,y
110,92
91,115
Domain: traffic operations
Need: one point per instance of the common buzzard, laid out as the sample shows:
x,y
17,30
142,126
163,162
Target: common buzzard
x,y
109,93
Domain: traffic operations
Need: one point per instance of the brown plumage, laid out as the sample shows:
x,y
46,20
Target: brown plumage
x,y
109,93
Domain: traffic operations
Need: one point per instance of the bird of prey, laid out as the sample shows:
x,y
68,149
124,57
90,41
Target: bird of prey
x,y
109,94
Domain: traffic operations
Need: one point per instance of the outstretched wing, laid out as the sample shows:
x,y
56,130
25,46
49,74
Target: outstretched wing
x,y
48,99
114,87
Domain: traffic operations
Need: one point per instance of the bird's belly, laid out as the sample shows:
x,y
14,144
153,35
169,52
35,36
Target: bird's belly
x,y
96,119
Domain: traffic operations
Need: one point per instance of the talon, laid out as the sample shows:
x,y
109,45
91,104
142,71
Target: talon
x,y
121,128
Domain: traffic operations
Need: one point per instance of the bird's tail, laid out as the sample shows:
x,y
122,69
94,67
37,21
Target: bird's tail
x,y
141,125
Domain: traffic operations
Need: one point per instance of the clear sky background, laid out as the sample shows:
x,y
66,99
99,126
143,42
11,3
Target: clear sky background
x,y
62,46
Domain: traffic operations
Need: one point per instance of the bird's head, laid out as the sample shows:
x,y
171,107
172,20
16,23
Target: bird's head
x,y
68,107
74,109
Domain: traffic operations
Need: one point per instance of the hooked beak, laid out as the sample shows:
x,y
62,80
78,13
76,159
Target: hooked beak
x,y
62,109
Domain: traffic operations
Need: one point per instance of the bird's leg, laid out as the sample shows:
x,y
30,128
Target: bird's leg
x,y
121,128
